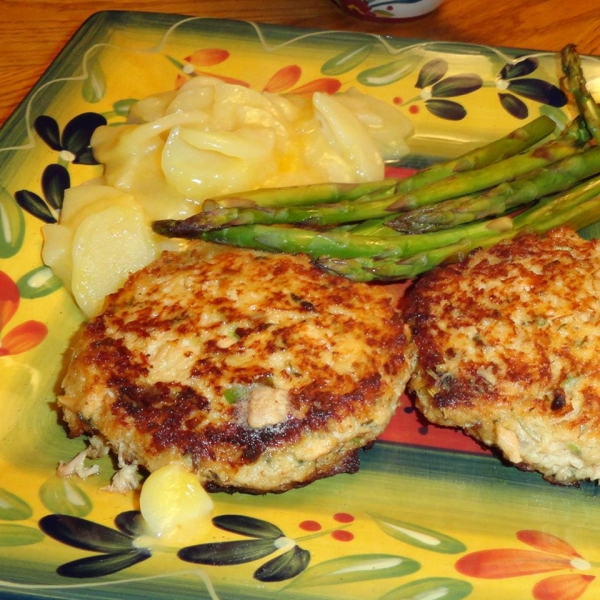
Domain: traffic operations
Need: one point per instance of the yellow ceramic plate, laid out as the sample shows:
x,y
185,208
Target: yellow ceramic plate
x,y
429,516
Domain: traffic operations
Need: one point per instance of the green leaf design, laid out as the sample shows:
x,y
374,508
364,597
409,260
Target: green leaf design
x,y
62,496
388,73
347,60
94,87
431,588
122,107
13,508
12,225
360,567
19,535
421,537
38,282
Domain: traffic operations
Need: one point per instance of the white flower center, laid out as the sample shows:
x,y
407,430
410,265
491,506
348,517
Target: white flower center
x,y
67,156
580,563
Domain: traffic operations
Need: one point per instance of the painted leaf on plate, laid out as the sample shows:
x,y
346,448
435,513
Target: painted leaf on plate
x,y
122,107
389,72
12,534
347,60
62,496
12,507
420,537
94,86
38,282
12,225
431,588
360,567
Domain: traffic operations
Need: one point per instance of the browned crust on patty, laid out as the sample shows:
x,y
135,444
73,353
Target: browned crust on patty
x,y
326,360
508,344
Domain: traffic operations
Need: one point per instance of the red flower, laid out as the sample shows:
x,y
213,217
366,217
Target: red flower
x,y
23,337
551,554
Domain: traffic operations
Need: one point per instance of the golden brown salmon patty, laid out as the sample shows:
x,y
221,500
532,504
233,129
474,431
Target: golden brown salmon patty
x,y
509,350
258,371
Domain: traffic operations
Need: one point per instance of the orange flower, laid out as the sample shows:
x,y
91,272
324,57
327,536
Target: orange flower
x,y
207,57
283,79
23,337
550,554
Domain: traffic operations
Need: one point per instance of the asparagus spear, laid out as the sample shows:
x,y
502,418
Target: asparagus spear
x,y
344,244
502,198
460,184
576,208
576,84
303,195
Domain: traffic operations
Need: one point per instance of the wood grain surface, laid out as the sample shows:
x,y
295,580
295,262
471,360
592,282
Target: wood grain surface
x,y
32,32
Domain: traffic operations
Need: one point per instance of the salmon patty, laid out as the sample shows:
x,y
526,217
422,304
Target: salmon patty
x,y
508,344
257,371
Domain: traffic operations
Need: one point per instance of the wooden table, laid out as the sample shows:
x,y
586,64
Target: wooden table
x,y
32,32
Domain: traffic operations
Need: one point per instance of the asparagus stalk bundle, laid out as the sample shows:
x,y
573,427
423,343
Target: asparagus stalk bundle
x,y
576,208
502,198
440,213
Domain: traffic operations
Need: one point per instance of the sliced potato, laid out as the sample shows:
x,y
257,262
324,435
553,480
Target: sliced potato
x,y
107,246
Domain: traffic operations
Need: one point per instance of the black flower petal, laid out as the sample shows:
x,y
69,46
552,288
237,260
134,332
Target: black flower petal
x,y
248,526
431,72
55,180
227,553
86,157
47,128
287,565
446,109
78,132
457,85
84,534
538,90
514,106
519,68
34,205
103,564
131,523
